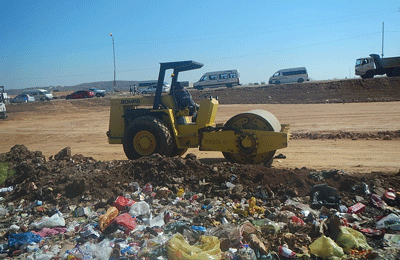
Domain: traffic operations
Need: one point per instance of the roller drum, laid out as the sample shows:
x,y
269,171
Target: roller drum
x,y
254,120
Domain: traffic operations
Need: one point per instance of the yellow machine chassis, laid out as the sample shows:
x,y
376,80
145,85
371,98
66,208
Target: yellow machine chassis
x,y
202,134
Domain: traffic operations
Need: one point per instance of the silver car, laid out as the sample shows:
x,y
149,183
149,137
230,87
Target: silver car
x,y
152,89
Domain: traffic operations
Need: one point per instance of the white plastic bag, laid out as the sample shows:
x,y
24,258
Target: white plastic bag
x,y
139,208
57,220
391,221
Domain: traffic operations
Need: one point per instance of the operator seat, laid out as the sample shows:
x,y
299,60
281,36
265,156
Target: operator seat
x,y
183,100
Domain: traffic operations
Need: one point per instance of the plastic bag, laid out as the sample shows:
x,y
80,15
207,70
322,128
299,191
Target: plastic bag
x,y
57,220
325,247
324,195
126,222
351,239
181,227
139,208
228,234
17,240
105,220
391,221
122,203
207,248
101,250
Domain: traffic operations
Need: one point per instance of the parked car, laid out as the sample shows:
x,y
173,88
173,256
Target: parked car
x,y
81,94
23,98
39,94
152,89
99,92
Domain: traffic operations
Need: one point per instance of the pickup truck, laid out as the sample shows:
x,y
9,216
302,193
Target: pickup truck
x,y
98,92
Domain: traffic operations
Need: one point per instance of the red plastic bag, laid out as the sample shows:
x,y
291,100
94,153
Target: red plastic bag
x,y
122,203
298,221
126,222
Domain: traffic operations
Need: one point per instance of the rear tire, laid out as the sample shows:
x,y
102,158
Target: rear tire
x,y
277,82
145,136
300,80
368,75
393,73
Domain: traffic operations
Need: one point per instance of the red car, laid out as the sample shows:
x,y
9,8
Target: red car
x,y
81,94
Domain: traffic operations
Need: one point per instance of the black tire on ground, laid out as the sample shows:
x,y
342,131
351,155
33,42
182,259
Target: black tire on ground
x,y
229,85
153,130
277,82
394,73
368,75
300,80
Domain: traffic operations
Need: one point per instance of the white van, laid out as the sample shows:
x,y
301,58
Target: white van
x,y
215,79
298,75
39,94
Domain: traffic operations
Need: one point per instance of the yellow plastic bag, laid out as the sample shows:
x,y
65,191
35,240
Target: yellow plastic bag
x,y
208,248
180,192
326,248
351,239
105,220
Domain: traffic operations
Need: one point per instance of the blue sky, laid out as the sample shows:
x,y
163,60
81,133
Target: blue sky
x,y
66,43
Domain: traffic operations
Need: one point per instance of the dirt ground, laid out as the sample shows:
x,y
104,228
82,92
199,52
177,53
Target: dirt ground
x,y
82,124
350,146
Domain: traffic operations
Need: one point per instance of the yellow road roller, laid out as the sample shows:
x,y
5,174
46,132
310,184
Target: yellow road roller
x,y
169,124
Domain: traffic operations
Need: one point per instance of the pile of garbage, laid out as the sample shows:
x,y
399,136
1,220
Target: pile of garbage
x,y
74,207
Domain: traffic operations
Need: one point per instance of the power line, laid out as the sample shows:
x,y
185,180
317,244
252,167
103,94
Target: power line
x,y
216,60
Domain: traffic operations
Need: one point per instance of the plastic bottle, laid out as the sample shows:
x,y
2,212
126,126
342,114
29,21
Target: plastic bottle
x,y
34,204
7,189
286,252
105,220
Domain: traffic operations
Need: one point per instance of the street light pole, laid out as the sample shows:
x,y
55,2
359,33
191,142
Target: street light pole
x,y
114,56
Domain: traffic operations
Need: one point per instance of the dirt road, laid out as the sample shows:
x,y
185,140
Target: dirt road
x,y
81,124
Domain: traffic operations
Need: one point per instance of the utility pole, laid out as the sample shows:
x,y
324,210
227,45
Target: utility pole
x,y
113,55
383,33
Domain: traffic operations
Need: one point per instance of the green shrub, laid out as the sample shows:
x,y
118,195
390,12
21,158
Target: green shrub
x,y
5,172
